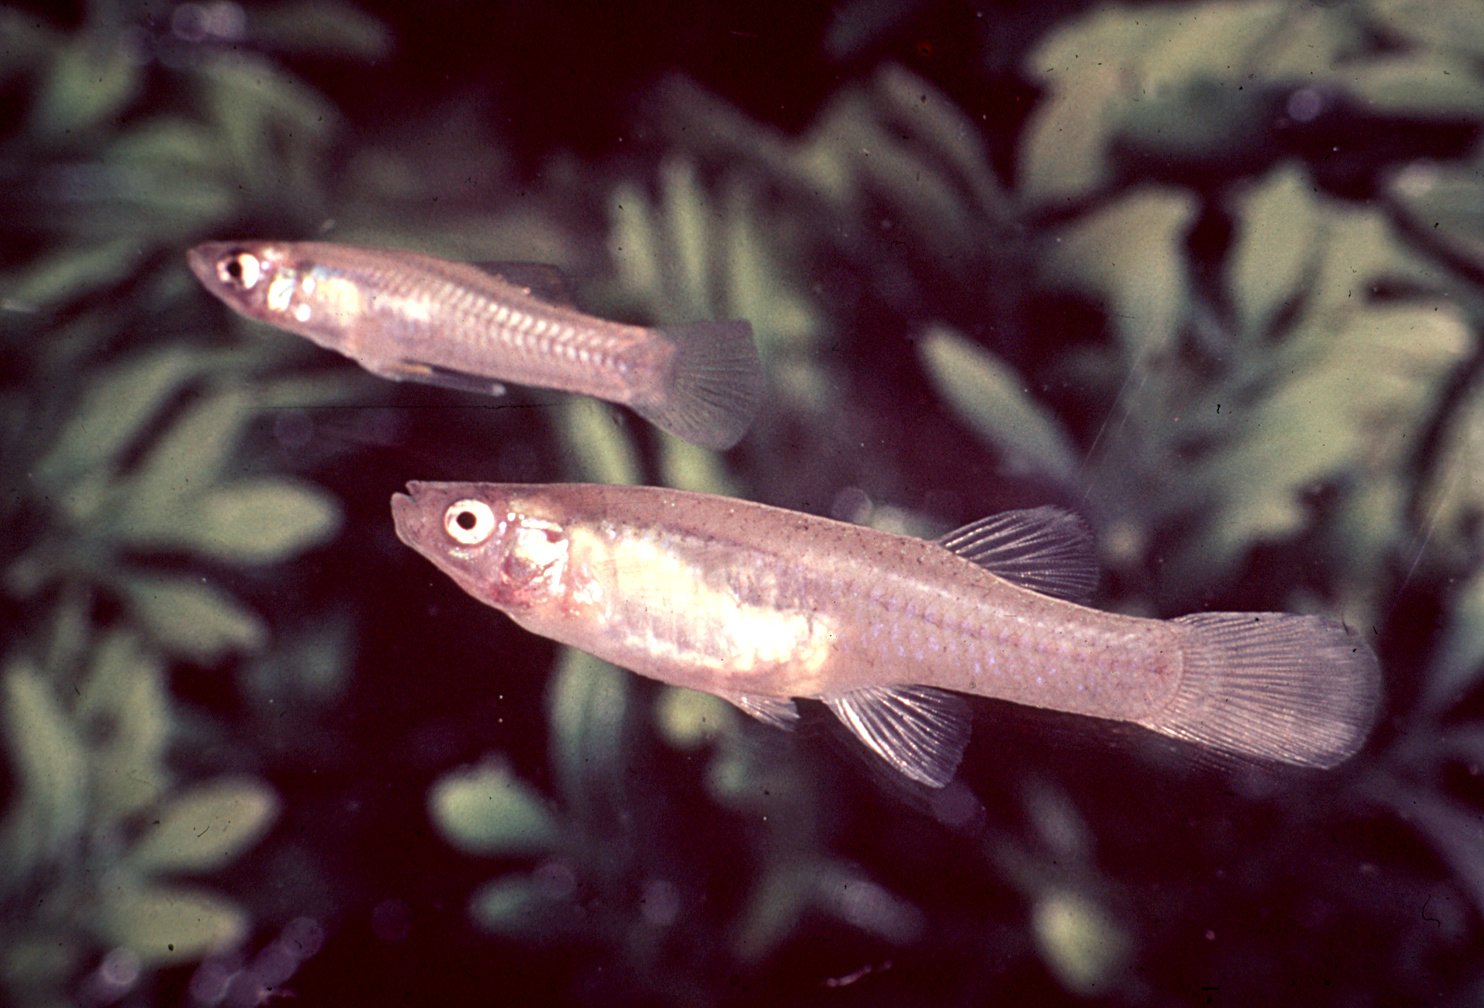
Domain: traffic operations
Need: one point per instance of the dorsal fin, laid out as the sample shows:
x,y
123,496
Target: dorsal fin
x,y
1046,549
919,730
541,280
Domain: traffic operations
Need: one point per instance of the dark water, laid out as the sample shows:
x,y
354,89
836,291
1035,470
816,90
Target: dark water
x,y
1210,275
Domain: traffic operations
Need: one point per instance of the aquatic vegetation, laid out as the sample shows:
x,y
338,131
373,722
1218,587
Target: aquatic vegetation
x,y
1211,273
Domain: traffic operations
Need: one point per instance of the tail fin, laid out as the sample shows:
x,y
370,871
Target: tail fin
x,y
1300,689
715,387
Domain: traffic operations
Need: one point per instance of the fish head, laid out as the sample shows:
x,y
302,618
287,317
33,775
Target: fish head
x,y
244,274
277,283
501,543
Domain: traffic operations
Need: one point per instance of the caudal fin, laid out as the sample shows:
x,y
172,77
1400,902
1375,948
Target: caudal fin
x,y
715,388
1300,689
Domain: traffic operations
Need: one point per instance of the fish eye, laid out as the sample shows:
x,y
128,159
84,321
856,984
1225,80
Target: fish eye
x,y
470,522
239,269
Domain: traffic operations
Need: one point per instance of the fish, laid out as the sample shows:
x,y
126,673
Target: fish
x,y
411,317
762,606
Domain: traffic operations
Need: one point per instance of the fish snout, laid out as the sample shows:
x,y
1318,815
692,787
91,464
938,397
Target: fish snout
x,y
407,517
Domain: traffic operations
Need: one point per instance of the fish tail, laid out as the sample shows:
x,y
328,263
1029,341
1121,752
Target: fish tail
x,y
1299,689
715,386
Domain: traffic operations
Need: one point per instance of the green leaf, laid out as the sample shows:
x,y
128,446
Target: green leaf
x,y
777,900
522,907
1450,25
1428,85
29,41
273,128
50,769
1455,830
258,520
1132,254
688,220
488,810
760,284
632,244
174,172
991,399
187,459
1360,385
190,618
70,274
1064,152
1359,248
114,411
597,448
1084,946
90,82
686,466
1277,237
166,924
320,28
1447,204
1459,662
125,712
944,130
588,710
205,828
1452,500
689,719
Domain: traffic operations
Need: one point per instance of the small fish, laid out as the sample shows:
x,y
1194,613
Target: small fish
x,y
759,605
406,316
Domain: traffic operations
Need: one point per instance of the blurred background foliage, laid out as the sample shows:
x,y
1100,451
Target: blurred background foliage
x,y
1211,273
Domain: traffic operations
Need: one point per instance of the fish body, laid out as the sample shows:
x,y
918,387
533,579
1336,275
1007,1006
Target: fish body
x,y
760,605
407,316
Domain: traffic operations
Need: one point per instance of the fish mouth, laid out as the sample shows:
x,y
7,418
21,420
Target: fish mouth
x,y
407,516
203,259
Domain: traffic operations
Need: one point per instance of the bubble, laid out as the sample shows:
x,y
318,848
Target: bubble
x,y
195,22
660,903
274,964
188,22
303,936
1305,104
210,981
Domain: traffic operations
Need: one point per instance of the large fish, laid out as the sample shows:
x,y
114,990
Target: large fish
x,y
412,317
760,605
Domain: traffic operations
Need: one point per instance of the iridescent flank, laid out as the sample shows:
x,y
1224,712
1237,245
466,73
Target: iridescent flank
x,y
659,604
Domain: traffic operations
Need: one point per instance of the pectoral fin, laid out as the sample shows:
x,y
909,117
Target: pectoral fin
x,y
432,374
779,712
920,731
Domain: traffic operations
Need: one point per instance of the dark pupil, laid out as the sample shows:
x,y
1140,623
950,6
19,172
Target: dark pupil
x,y
234,268
465,520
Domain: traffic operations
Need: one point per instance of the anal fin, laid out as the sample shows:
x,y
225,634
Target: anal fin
x,y
432,374
920,731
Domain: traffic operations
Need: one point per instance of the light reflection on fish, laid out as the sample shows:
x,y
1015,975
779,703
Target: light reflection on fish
x,y
760,605
412,317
